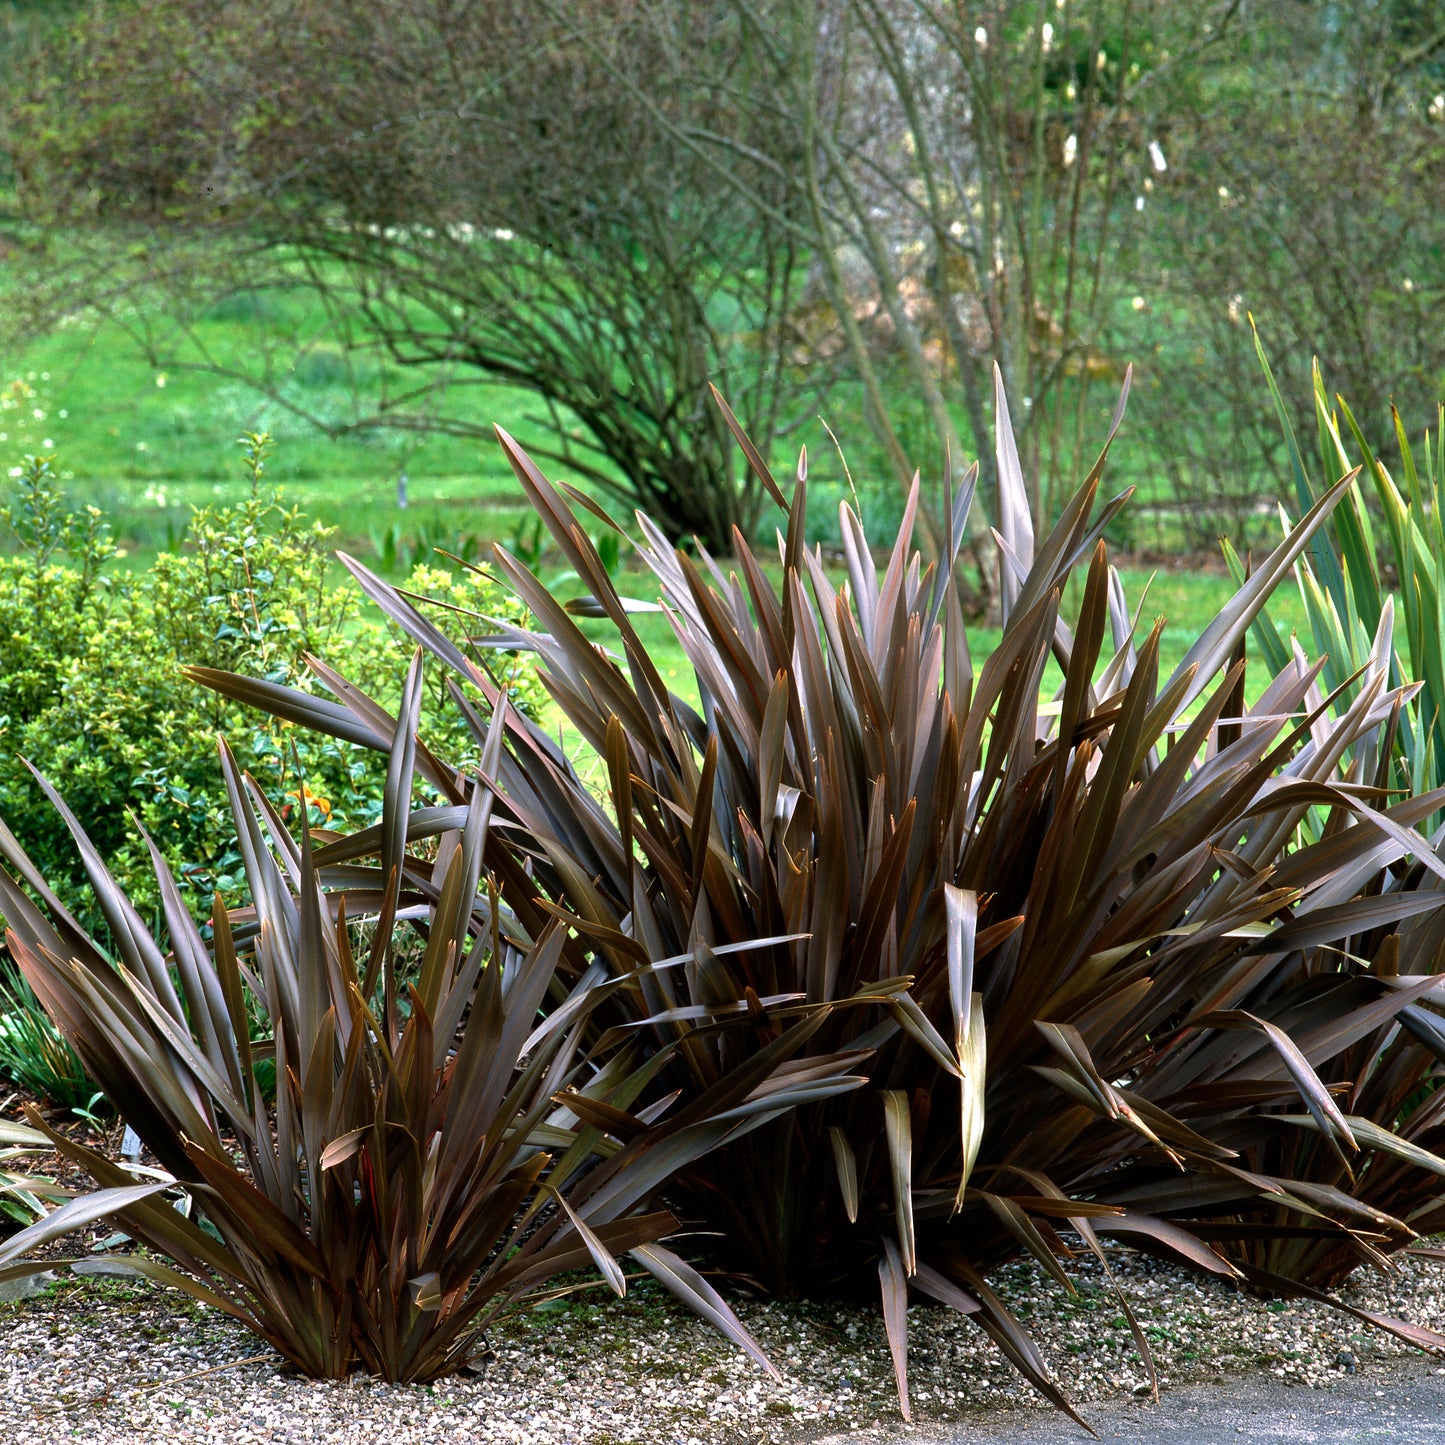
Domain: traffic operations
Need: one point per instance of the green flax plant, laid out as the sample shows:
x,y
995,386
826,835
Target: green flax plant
x,y
23,1196
1374,578
433,1158
32,1052
1072,942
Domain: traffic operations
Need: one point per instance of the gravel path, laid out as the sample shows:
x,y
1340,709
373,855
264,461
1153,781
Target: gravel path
x,y
113,1361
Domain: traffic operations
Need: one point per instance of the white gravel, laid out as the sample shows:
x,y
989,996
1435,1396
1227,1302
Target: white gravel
x,y
112,1361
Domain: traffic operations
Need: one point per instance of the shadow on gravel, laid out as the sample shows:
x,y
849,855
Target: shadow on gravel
x,y
1402,1403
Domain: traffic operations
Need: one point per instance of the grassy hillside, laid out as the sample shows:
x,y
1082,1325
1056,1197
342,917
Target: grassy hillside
x,y
147,444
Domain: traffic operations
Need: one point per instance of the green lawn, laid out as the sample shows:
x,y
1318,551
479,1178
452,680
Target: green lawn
x,y
147,452
147,445
148,439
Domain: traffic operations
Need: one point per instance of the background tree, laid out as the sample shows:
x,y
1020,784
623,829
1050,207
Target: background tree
x,y
615,201
471,190
966,179
611,202
1307,175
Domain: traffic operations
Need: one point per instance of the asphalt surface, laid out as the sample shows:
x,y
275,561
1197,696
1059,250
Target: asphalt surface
x,y
1402,1403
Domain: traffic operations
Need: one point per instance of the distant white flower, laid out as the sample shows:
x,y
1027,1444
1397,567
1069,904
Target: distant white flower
x,y
1071,149
1139,304
1408,284
1101,60
1156,155
1236,306
38,414
1437,108
1224,193
62,413
142,447
1138,203
980,38
161,379
1047,36
14,471
47,444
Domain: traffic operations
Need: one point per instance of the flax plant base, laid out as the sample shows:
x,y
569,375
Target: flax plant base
x,y
115,1361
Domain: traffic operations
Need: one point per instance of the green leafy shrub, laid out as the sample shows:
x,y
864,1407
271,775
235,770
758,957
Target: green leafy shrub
x,y
49,592
1075,945
399,550
442,1145
91,687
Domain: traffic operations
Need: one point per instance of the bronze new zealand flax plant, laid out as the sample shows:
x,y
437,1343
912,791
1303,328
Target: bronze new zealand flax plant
x,y
442,1143
1069,929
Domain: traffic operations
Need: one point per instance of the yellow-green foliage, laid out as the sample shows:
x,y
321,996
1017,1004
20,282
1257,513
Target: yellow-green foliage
x,y
91,690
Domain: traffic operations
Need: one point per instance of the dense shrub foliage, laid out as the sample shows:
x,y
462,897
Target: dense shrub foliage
x,y
91,689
